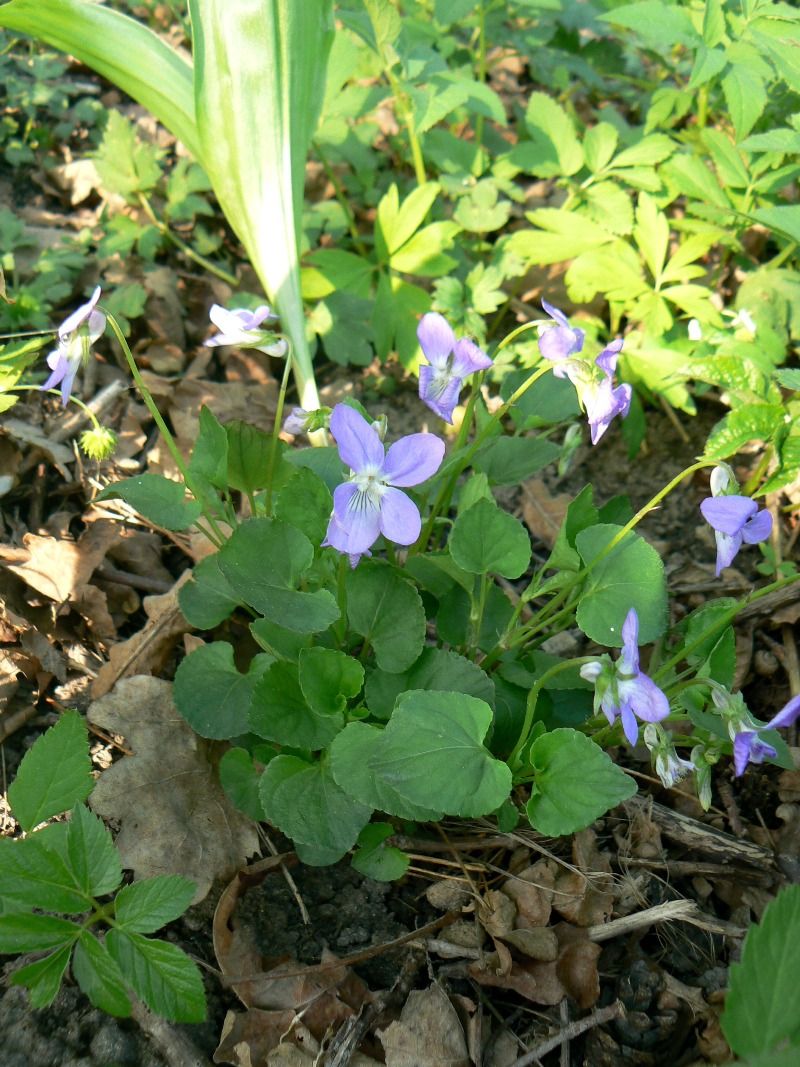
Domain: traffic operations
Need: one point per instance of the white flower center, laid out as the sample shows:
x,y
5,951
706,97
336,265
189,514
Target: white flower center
x,y
371,488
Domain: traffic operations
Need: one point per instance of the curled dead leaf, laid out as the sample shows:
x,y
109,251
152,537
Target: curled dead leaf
x,y
427,1034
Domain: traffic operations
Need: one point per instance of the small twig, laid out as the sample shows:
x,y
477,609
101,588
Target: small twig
x,y
729,800
174,1044
135,581
287,875
691,869
563,1011
9,724
571,1031
97,405
672,909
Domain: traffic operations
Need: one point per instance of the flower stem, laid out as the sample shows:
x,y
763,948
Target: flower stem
x,y
56,392
187,250
169,440
530,705
276,429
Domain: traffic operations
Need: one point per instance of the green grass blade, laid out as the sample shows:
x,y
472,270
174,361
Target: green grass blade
x,y
121,49
259,82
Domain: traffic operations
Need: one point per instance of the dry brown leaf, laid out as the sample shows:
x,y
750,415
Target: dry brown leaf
x,y
248,1037
33,435
147,650
174,815
58,568
496,913
228,400
427,1034
543,512
532,892
538,943
585,896
92,604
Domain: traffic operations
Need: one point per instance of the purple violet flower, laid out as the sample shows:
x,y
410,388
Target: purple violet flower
x,y
748,747
621,689
450,361
736,520
598,397
371,502
243,328
558,341
76,335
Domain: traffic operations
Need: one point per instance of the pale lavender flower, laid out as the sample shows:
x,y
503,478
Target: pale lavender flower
x,y
450,361
736,520
748,746
621,689
301,421
559,341
372,502
243,328
76,335
694,330
596,392
669,766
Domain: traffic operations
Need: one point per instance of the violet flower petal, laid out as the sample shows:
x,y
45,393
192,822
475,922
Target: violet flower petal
x,y
629,660
786,716
645,697
399,518
603,404
436,338
355,523
758,528
413,459
727,549
607,360
728,514
468,358
630,726
439,392
742,745
359,445
83,313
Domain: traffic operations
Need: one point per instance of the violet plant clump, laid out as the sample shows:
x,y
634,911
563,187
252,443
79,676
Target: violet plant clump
x,y
399,612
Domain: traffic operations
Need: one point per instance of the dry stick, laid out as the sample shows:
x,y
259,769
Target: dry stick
x,y
9,724
97,405
173,1044
135,581
672,909
701,838
563,1012
573,1030
692,869
287,877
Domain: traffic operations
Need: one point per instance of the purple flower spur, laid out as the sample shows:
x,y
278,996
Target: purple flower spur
x,y
76,335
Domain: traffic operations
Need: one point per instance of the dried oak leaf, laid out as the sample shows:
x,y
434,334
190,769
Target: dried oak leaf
x,y
427,1034
543,511
60,569
174,815
149,649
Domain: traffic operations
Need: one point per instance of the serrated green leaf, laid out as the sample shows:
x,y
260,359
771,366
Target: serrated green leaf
x,y
43,978
126,165
161,974
713,22
631,575
27,932
145,906
661,26
746,97
599,145
747,422
652,234
99,976
387,612
782,219
554,149
575,783
486,540
304,801
92,856
33,875
55,773
762,1008
158,499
